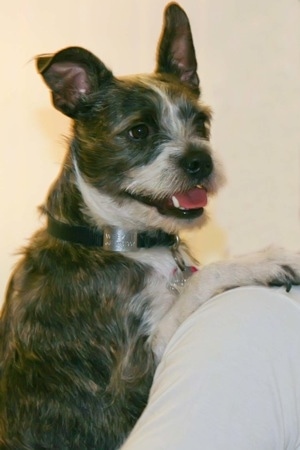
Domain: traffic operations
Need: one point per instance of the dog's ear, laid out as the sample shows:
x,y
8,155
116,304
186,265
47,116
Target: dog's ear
x,y
72,75
176,53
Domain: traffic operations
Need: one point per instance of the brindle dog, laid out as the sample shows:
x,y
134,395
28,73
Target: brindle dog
x,y
101,288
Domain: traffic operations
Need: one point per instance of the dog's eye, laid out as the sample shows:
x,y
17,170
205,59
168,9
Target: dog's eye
x,y
201,124
200,127
140,131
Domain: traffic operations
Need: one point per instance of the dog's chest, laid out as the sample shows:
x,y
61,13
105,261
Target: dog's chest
x,y
162,266
161,281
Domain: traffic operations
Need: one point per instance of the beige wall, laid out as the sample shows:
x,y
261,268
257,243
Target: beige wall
x,y
248,53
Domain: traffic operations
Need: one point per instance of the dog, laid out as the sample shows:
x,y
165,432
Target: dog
x,y
102,287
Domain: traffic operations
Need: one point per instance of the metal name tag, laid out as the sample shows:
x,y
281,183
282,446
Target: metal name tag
x,y
180,277
118,240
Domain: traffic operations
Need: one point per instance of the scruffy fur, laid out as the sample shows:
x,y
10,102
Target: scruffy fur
x,y
83,328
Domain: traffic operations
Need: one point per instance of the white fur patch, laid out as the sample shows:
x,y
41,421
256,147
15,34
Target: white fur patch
x,y
162,177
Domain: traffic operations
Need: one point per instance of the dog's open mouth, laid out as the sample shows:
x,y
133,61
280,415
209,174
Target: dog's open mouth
x,y
182,205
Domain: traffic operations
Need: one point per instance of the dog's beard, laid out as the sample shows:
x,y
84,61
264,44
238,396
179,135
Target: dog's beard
x,y
171,191
124,211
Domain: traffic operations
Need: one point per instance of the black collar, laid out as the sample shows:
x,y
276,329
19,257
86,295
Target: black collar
x,y
111,238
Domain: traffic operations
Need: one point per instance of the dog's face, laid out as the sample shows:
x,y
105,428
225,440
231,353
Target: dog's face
x,y
141,147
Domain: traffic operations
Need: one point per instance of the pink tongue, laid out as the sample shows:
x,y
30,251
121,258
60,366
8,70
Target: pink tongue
x,y
193,199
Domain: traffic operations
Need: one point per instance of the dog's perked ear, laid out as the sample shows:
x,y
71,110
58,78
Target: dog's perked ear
x,y
72,75
176,52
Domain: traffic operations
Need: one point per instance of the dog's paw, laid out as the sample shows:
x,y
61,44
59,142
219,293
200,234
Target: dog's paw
x,y
270,267
288,273
280,267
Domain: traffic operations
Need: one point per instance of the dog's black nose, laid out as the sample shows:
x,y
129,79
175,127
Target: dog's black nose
x,y
198,163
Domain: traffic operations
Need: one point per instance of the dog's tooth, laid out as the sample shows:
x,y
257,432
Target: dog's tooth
x,y
175,202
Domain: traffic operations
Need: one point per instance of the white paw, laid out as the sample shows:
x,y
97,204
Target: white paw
x,y
283,266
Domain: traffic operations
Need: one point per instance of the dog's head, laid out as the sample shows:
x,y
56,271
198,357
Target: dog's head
x,y
141,147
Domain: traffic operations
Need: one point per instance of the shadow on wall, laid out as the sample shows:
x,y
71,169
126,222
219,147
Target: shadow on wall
x,y
207,244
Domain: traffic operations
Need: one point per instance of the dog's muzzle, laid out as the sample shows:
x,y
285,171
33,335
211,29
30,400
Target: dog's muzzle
x,y
197,166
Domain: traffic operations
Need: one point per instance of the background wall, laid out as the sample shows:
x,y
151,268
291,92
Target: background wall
x,y
249,65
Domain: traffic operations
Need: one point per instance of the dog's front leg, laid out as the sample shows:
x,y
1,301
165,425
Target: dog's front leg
x,y
270,267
